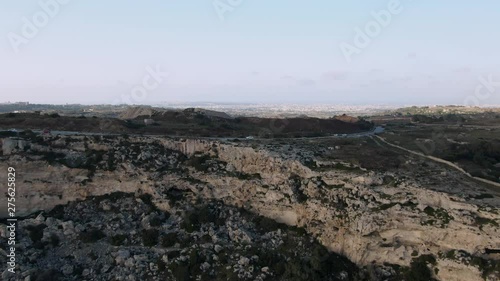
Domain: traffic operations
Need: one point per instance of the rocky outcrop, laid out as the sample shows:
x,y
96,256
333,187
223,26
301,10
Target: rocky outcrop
x,y
124,237
11,145
134,112
354,212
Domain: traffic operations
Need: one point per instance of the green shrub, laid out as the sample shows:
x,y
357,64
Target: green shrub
x,y
169,240
266,224
91,235
244,176
54,240
36,232
389,180
148,200
161,265
198,162
419,269
46,275
155,221
118,240
484,196
150,237
484,221
439,213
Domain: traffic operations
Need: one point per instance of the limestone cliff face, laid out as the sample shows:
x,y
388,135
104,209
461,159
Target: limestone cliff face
x,y
355,213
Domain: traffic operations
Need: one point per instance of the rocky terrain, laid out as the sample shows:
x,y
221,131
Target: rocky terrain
x,y
123,237
190,122
150,208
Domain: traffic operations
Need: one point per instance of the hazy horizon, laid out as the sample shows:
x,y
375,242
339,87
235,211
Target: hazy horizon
x,y
382,52
202,102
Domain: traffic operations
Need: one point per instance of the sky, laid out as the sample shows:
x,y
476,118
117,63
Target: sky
x,y
260,51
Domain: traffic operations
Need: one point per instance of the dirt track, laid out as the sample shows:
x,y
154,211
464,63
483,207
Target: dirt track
x,y
439,160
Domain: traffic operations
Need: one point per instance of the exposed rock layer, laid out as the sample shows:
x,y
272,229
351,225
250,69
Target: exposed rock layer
x,y
354,213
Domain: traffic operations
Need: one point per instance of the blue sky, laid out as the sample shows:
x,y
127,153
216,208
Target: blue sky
x,y
262,51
